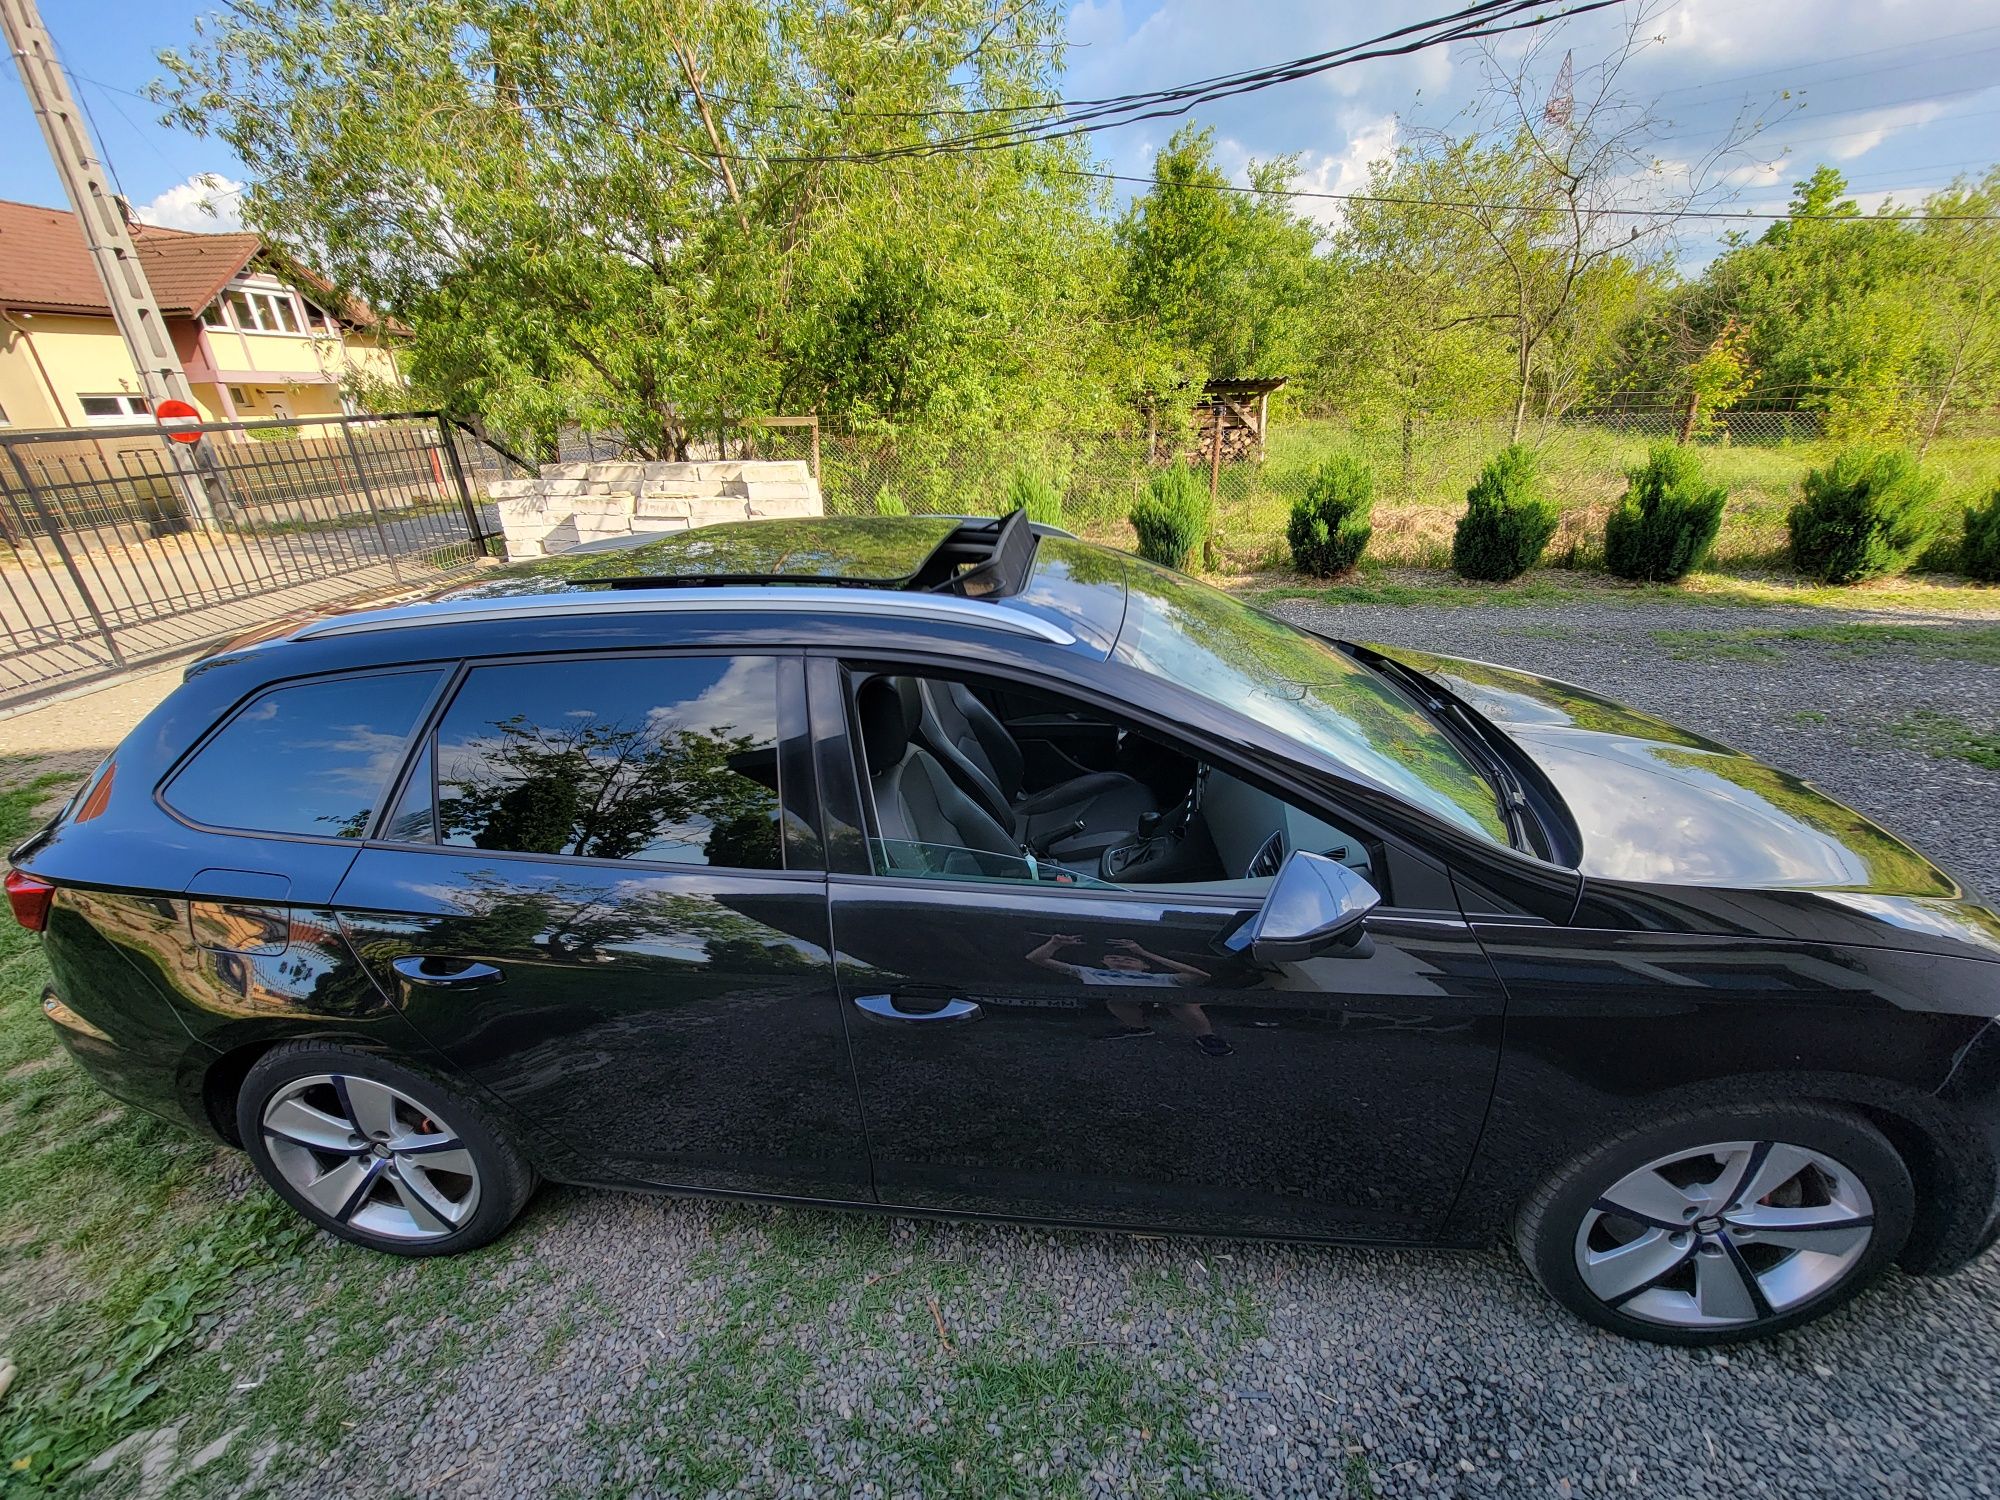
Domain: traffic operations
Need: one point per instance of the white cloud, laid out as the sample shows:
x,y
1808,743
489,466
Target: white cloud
x,y
1345,171
1869,130
206,201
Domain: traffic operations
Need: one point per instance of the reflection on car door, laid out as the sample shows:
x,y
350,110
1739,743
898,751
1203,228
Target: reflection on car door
x,y
593,917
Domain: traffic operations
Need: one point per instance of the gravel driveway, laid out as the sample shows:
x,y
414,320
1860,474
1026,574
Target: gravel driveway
x,y
621,1344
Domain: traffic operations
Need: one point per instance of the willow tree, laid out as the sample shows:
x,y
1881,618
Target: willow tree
x,y
659,216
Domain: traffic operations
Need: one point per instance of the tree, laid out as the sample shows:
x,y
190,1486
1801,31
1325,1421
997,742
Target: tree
x,y
1404,330
1222,278
1568,200
638,217
1886,322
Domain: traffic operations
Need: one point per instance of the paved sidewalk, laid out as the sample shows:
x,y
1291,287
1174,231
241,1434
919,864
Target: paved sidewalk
x,y
76,732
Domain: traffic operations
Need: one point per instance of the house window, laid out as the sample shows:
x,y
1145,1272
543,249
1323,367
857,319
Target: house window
x,y
212,316
113,409
240,396
263,312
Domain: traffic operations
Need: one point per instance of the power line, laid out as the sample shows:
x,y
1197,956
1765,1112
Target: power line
x,y
1488,19
1827,62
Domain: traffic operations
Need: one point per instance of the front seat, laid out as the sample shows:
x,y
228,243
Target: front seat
x,y
926,823
1083,815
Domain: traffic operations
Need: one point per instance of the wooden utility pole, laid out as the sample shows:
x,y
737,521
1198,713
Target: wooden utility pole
x,y
100,214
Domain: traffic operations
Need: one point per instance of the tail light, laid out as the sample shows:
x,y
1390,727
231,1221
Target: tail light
x,y
30,899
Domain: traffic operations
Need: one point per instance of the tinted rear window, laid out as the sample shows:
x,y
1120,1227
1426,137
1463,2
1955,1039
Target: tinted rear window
x,y
671,760
311,758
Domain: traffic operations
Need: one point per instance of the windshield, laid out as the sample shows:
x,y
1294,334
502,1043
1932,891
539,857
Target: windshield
x,y
1300,686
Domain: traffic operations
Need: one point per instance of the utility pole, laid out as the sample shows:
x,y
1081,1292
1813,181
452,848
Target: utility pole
x,y
100,214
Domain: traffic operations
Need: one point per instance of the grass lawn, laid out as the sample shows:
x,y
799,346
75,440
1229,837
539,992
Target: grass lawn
x,y
1375,582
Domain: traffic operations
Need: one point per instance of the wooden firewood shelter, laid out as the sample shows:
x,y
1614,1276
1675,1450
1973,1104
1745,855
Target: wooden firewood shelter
x,y
1230,420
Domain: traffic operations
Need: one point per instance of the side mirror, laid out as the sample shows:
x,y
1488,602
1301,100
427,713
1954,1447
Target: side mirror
x,y
1315,904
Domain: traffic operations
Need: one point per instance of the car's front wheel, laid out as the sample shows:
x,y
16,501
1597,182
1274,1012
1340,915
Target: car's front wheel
x,y
1720,1225
378,1154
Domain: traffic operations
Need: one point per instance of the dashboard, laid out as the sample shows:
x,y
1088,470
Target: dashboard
x,y
1254,831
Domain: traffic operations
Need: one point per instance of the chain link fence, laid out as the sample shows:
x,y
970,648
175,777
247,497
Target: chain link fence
x,y
1422,472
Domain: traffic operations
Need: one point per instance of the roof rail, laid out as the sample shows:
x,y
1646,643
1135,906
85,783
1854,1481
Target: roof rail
x,y
674,599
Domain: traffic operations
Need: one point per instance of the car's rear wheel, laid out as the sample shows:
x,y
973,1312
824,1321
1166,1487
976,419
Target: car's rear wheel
x,y
378,1154
1720,1225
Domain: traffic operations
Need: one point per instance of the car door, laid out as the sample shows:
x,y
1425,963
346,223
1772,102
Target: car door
x,y
1078,1052
599,895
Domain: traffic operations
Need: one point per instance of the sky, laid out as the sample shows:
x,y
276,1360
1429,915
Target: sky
x,y
1901,95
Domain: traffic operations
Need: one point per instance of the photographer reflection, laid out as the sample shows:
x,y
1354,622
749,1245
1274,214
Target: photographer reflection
x,y
1128,965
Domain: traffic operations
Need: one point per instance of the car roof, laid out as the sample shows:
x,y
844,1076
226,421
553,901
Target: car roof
x,y
1004,574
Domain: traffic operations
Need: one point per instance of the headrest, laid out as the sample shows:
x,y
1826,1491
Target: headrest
x,y
889,712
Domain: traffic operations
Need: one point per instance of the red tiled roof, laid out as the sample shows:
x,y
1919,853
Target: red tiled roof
x,y
44,264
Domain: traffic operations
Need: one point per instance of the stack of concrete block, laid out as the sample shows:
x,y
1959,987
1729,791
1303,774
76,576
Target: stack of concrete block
x,y
587,502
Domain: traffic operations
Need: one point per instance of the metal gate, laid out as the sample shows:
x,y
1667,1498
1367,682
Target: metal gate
x,y
118,546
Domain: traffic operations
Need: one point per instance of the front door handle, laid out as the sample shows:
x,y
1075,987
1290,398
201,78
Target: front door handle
x,y
921,1009
447,973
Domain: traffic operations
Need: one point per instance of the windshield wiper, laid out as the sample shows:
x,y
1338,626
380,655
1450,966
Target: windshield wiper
x,y
1515,808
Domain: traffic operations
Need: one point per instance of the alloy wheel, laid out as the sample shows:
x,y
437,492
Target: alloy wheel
x,y
1724,1235
371,1157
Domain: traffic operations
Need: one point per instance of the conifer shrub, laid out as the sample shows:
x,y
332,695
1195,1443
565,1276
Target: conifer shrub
x,y
1667,520
1979,552
1865,514
1171,517
1331,522
1031,492
1508,520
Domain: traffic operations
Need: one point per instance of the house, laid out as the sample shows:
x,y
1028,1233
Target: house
x,y
256,342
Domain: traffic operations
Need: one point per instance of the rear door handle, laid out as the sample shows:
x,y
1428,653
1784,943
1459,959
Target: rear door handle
x,y
446,973
921,1008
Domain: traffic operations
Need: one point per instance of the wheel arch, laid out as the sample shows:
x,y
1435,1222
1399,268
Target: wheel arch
x,y
221,1081
1951,1166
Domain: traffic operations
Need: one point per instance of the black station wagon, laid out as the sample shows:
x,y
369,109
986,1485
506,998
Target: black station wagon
x,y
961,867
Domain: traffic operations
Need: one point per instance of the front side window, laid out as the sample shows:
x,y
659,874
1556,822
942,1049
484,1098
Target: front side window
x,y
666,759
311,758
1000,783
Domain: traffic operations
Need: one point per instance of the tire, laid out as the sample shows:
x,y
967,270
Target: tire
x,y
1648,1273
377,1154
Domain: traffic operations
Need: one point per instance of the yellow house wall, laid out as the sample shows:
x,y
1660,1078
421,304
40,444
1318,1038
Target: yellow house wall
x,y
85,357
23,397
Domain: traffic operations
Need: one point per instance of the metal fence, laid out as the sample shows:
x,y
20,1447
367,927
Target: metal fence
x,y
1422,471
124,545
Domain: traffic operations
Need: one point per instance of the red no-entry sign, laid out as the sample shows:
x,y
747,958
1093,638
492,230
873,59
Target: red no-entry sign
x,y
180,419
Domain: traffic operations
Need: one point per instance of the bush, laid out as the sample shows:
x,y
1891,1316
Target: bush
x,y
1865,514
1979,553
889,503
1031,492
1172,516
1330,521
1667,519
1507,520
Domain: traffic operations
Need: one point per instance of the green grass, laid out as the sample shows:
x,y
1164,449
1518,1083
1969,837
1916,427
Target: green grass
x,y
1945,738
1979,644
982,1389
1438,589
124,1239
